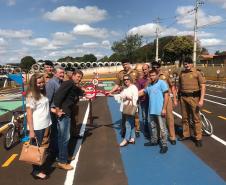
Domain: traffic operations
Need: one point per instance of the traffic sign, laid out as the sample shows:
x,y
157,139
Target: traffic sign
x,y
95,81
90,92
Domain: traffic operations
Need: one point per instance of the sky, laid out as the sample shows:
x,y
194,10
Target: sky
x,y
53,29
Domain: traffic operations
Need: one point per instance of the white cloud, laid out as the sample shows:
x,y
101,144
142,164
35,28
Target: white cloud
x,y
106,44
90,45
62,38
145,30
17,34
11,2
73,14
2,42
211,42
187,19
200,34
86,30
40,42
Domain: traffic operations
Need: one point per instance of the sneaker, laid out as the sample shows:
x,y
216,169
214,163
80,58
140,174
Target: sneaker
x,y
137,133
123,143
64,166
172,142
198,143
163,149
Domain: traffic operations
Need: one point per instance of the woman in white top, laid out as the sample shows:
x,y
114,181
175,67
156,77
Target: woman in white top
x,y
129,95
38,116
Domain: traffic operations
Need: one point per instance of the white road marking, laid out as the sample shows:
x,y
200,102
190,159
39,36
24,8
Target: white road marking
x,y
215,96
213,136
71,174
215,102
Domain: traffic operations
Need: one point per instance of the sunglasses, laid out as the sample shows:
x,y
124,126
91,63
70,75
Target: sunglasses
x,y
125,79
155,67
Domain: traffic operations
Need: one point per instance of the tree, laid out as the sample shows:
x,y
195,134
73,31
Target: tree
x,y
126,47
104,59
179,47
204,51
89,58
26,63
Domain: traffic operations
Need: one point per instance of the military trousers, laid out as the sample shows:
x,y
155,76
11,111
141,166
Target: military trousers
x,y
190,110
170,120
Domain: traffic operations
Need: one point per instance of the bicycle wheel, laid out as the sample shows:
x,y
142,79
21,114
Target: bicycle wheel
x,y
207,127
9,137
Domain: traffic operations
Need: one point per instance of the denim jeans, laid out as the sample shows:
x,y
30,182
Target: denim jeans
x,y
39,135
130,127
143,108
63,127
158,130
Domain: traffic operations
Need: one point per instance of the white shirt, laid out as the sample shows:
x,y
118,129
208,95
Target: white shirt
x,y
41,113
130,92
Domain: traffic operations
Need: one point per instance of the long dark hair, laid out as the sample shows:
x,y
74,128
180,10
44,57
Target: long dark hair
x,y
33,88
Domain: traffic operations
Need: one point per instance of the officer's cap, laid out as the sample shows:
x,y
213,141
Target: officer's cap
x,y
125,60
71,69
48,63
155,64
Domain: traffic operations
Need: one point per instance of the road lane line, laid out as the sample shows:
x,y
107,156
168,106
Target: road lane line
x,y
222,117
213,136
215,102
204,110
71,174
9,161
215,96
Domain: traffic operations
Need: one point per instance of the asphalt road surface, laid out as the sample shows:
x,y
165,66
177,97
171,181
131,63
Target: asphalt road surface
x,y
100,161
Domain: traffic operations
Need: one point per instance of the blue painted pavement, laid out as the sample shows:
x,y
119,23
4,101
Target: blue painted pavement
x,y
146,166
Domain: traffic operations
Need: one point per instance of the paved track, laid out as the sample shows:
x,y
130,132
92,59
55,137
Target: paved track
x,y
102,162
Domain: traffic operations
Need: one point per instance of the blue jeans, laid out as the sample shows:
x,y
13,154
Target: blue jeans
x,y
158,130
130,127
39,135
143,108
63,128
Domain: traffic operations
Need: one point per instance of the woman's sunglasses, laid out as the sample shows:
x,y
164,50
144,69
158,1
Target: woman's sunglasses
x,y
125,79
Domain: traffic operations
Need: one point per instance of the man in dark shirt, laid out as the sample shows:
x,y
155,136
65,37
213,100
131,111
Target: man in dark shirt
x,y
142,83
65,98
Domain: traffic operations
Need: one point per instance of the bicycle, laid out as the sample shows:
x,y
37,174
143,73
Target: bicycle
x,y
15,130
207,127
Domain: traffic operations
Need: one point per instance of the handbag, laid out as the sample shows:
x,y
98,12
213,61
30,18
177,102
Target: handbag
x,y
129,110
33,154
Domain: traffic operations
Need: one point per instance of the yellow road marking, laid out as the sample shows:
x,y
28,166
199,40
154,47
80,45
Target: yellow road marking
x,y
222,117
10,160
204,110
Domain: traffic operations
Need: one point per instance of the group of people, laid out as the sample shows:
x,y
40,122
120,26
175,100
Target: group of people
x,y
155,95
50,99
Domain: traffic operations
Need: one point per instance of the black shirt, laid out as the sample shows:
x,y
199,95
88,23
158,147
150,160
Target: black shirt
x,y
67,96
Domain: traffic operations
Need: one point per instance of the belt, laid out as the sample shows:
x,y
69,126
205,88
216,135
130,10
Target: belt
x,y
191,94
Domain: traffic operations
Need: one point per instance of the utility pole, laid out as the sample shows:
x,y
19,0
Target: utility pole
x,y
157,40
198,3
